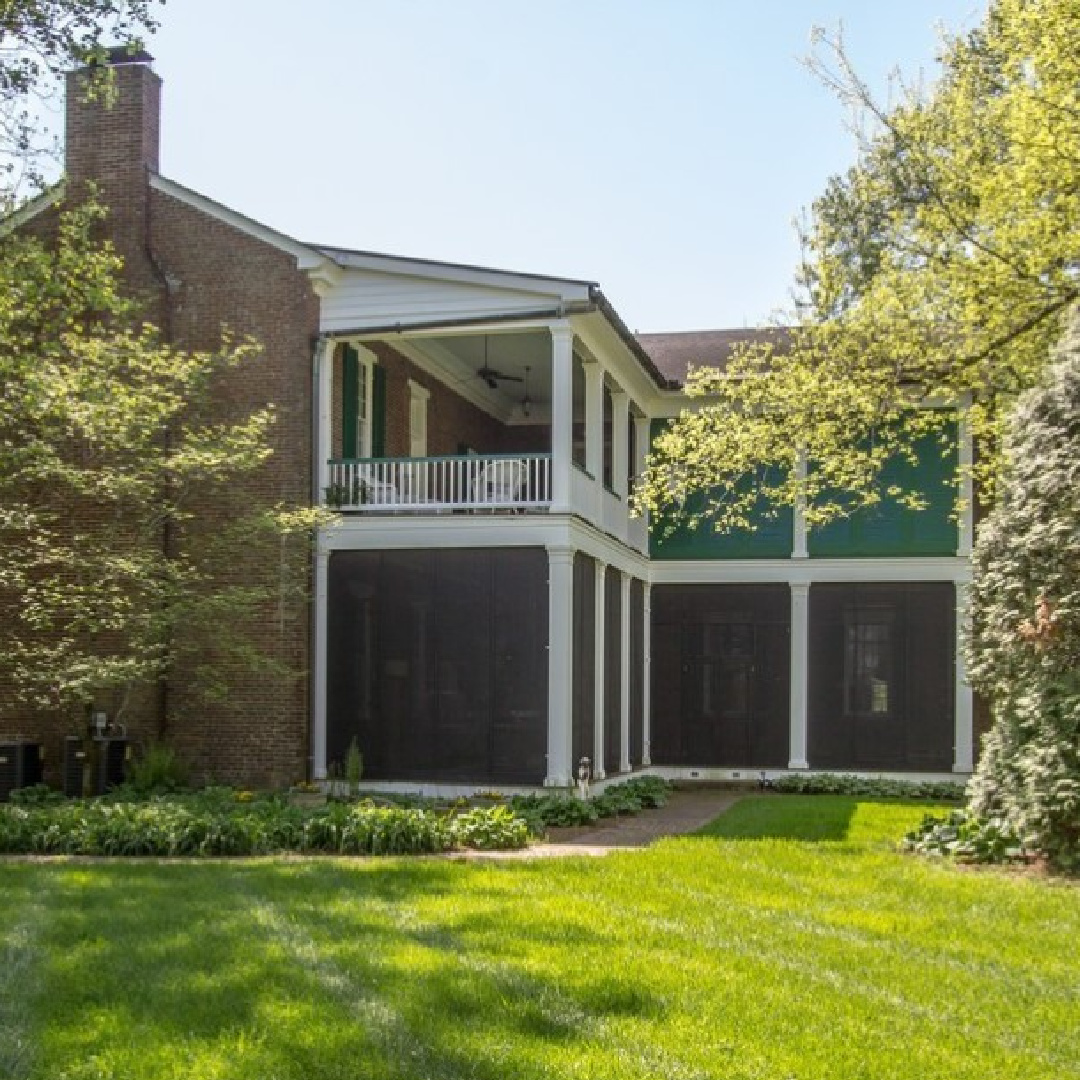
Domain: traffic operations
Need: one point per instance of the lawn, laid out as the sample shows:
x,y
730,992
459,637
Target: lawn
x,y
787,940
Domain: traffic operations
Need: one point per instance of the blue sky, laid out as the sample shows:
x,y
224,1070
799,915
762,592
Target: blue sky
x,y
664,149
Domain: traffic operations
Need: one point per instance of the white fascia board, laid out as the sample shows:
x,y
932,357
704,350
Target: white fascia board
x,y
566,290
307,258
411,532
30,210
671,403
808,571
753,773
608,348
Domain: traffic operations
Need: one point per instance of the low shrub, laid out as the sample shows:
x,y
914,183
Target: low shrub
x,y
496,828
617,800
965,837
553,811
868,787
651,791
157,771
213,822
36,795
561,811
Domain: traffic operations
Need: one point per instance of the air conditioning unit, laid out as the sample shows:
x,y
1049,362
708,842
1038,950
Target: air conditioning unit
x,y
111,756
93,766
76,759
21,763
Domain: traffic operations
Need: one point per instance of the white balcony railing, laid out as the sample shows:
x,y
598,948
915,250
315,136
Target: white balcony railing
x,y
440,484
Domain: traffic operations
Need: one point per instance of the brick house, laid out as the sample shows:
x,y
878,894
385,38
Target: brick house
x,y
486,611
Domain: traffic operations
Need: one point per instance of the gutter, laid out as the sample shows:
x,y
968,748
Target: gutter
x,y
603,304
559,312
597,302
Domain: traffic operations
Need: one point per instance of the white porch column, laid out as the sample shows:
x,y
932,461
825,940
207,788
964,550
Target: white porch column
x,y
642,435
560,665
966,532
964,706
562,415
598,668
646,683
799,542
800,641
624,666
594,418
620,421
320,647
324,361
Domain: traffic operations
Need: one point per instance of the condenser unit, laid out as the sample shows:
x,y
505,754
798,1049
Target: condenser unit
x,y
76,759
20,765
93,766
110,762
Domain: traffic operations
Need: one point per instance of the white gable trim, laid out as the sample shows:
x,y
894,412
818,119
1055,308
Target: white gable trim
x,y
30,210
566,290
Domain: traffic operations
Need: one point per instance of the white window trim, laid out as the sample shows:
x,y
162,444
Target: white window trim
x,y
367,361
419,396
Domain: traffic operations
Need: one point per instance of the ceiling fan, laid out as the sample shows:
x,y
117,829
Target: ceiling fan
x,y
492,376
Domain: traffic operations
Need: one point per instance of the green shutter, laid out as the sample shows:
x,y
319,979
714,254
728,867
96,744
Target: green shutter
x,y
378,411
350,397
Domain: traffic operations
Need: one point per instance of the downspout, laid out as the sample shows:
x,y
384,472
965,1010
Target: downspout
x,y
170,286
317,351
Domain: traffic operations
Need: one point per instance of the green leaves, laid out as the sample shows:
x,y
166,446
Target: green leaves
x,y
129,541
1024,641
935,271
218,823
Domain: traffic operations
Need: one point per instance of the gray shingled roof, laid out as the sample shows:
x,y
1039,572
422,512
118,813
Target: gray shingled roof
x,y
674,353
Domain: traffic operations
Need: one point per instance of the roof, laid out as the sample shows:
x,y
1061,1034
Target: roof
x,y
675,353
342,254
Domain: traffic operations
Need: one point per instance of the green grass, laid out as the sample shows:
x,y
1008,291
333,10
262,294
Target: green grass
x,y
786,940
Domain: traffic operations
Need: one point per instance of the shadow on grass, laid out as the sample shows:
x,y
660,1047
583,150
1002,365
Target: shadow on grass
x,y
305,970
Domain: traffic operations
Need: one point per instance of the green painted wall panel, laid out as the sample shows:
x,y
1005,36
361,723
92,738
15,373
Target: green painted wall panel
x,y
769,539
891,529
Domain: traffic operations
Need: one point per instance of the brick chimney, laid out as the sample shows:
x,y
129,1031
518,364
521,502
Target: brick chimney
x,y
112,142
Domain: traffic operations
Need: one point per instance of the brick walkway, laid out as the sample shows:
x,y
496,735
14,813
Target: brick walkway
x,y
684,812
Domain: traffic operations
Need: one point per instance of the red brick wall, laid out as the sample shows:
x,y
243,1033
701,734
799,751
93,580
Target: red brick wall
x,y
452,420
227,280
111,147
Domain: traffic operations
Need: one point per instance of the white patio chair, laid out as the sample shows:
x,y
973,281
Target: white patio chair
x,y
501,483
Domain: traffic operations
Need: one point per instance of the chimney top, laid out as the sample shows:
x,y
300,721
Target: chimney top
x,y
120,55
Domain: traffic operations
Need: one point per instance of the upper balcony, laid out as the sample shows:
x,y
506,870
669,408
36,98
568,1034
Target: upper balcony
x,y
504,421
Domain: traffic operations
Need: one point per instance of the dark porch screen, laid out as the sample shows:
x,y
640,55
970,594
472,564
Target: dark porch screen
x,y
437,664
881,676
720,675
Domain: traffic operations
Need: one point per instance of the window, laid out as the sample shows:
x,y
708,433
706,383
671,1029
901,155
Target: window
x,y
418,420
868,661
357,393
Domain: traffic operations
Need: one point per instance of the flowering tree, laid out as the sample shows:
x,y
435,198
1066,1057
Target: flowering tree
x,y
1024,645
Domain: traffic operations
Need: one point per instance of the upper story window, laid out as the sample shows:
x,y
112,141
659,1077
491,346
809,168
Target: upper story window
x,y
358,403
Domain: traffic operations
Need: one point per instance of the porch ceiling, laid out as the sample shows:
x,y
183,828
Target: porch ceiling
x,y
458,358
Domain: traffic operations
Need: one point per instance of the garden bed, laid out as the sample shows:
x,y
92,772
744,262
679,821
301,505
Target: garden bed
x,y
227,822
